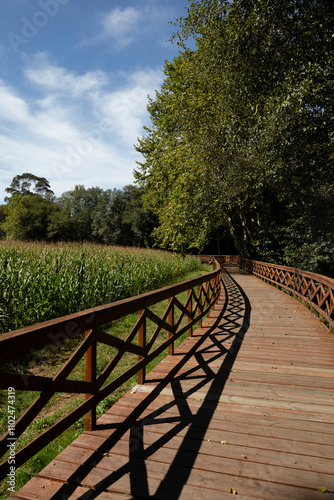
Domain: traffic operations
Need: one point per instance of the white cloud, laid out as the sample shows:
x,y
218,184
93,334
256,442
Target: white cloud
x,y
83,137
13,108
53,78
123,26
120,25
127,106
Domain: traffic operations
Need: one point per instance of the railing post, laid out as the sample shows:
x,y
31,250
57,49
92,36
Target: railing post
x,y
90,376
200,304
142,343
190,308
207,301
170,320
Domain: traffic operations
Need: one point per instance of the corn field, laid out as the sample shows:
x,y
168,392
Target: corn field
x,y
39,282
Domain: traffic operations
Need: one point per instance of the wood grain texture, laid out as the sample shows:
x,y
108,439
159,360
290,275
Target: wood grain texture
x,y
245,404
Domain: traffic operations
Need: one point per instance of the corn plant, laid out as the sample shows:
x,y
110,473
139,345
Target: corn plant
x,y
39,282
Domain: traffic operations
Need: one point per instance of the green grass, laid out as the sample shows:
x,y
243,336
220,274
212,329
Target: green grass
x,y
60,405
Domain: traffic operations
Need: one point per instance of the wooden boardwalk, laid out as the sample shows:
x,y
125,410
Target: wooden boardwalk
x,y
245,406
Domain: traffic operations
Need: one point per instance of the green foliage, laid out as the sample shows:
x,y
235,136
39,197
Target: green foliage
x,y
121,219
72,219
241,131
41,282
22,184
115,217
3,214
26,217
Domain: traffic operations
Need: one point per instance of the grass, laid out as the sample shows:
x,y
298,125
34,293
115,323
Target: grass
x,y
61,404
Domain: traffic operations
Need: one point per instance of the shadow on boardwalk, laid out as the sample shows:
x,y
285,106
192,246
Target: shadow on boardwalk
x,y
219,343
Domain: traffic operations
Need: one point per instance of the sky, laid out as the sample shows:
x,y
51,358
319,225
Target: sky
x,y
74,81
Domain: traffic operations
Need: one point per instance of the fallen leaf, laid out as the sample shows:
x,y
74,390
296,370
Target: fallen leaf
x,y
232,490
198,399
223,442
244,456
322,489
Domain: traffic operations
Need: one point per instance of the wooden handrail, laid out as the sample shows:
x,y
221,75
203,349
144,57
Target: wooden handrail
x,y
314,289
202,293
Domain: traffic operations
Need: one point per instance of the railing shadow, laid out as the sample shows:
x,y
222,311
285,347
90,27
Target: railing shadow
x,y
218,346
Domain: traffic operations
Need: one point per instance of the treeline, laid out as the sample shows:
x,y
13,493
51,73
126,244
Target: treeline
x,y
112,216
241,135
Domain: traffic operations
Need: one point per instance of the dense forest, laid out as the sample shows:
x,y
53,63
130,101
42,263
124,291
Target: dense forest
x,y
239,150
113,216
241,135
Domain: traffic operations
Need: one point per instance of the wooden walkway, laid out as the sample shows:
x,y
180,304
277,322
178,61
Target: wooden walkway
x,y
245,406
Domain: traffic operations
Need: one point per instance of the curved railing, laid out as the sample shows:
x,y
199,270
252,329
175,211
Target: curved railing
x,y
314,289
177,319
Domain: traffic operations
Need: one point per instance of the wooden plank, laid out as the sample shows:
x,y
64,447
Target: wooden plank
x,y
163,409
58,489
261,427
160,458
253,412
84,449
40,489
147,476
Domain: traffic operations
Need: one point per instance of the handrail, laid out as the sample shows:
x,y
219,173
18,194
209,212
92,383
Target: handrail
x,y
202,293
314,289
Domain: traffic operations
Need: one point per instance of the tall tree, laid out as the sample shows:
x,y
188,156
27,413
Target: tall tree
x,y
242,129
72,221
121,219
28,184
27,217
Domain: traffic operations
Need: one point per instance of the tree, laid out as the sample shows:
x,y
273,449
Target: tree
x,y
140,221
121,219
72,220
28,184
2,220
241,133
27,217
28,208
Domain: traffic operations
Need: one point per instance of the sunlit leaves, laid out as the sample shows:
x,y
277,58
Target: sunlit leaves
x,y
246,121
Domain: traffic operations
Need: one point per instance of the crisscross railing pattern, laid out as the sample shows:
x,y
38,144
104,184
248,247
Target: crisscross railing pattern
x,y
177,319
314,289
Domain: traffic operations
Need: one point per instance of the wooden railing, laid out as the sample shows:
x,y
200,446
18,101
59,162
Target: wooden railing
x,y
315,290
177,319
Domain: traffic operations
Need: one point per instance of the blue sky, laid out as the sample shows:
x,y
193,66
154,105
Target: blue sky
x,y
74,80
